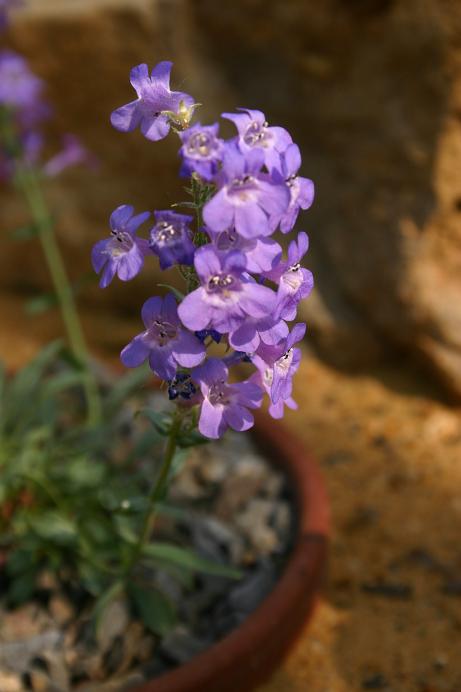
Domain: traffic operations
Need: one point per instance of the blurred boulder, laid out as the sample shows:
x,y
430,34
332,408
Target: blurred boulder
x,y
371,90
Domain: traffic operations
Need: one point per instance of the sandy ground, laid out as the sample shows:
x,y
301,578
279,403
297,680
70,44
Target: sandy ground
x,y
390,450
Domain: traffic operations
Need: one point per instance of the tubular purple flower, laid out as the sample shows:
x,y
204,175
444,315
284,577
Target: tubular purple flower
x,y
164,342
254,132
157,107
264,378
170,239
224,405
21,90
123,253
261,254
201,150
295,282
301,189
247,199
284,360
72,153
247,337
227,295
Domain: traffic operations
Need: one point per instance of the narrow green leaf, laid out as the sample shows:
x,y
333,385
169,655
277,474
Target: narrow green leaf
x,y
22,587
160,421
40,304
154,608
187,559
104,600
64,380
187,205
55,527
177,292
21,392
125,386
192,438
25,232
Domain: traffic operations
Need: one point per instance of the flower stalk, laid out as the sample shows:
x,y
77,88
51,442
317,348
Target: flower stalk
x,y
27,183
157,492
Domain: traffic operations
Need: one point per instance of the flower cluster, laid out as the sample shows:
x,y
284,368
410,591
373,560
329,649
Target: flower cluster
x,y
240,291
23,112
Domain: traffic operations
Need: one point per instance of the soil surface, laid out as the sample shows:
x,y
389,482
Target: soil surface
x,y
390,451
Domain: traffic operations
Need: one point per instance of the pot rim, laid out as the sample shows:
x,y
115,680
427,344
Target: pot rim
x,y
247,655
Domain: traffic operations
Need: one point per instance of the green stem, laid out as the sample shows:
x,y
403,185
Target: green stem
x,y
27,182
156,493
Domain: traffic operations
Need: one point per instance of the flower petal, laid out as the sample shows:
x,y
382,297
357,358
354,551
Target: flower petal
x,y
238,418
151,310
193,311
135,353
251,221
218,212
155,127
211,423
139,75
134,223
188,350
161,73
127,117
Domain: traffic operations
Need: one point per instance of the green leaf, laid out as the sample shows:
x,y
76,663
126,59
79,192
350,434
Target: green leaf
x,y
25,232
40,304
143,445
177,293
186,205
187,559
154,608
55,527
92,579
22,587
63,381
126,528
22,391
192,438
160,421
19,561
125,386
104,600
81,473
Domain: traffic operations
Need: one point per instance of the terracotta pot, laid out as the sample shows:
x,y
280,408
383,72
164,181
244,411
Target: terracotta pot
x,y
248,655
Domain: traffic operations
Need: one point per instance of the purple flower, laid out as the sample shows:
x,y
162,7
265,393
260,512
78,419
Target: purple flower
x,y
301,189
201,150
248,335
264,378
254,131
227,294
20,89
295,282
123,253
170,239
248,199
284,360
261,253
72,154
157,107
164,343
224,405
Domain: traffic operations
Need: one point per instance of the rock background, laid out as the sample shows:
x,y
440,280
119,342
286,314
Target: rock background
x,y
371,90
